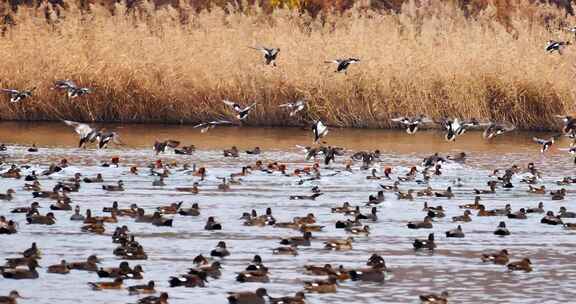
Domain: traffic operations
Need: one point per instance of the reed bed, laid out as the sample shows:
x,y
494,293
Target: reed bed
x,y
176,65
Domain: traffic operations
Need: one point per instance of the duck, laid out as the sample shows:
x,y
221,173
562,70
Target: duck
x,y
305,197
463,218
455,233
77,216
232,152
537,190
393,187
194,189
97,179
8,227
373,176
47,219
33,209
322,286
339,245
304,240
483,212
556,46
91,264
539,209
371,274
474,206
61,268
257,265
348,223
253,276
220,250
570,226
375,199
224,186
373,216
499,257
298,298
285,250
501,230
192,211
551,219
170,209
544,143
425,243
558,195
523,265
35,186
142,289
327,270
13,295
434,298
425,224
520,215
115,272
310,228
212,270
22,274
118,187
564,213
162,299
61,206
491,186
426,192
211,224
405,195
248,297
8,196
308,219
255,151
189,280
116,284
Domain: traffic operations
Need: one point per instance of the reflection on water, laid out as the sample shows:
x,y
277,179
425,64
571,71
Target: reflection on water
x,y
455,266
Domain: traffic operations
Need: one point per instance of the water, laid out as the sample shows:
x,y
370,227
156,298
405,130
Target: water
x,y
455,266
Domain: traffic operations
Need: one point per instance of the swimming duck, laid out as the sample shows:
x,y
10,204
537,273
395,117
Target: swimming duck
x,y
551,219
298,298
359,230
241,112
61,268
339,244
8,196
459,158
21,274
232,152
564,213
189,280
162,299
320,270
220,250
194,189
483,212
373,216
343,63
491,185
253,276
425,243
303,240
498,257
170,209
33,209
12,296
411,123
255,151
522,265
310,228
540,190
256,297
502,230
433,298
116,284
8,227
539,209
211,224
375,199
91,264
35,186
455,233
322,286
373,176
367,275
97,179
426,192
192,211
425,224
118,187
348,223
308,219
142,289
212,270
558,195
285,250
47,219
97,228
405,195
393,187
521,214
447,194
463,218
114,272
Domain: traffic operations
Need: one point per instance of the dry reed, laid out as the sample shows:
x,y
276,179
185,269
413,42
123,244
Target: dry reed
x,y
176,66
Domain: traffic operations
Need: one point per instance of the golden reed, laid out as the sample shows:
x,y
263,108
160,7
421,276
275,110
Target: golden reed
x,y
176,65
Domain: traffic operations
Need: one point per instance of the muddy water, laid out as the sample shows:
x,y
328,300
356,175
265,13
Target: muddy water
x,y
455,266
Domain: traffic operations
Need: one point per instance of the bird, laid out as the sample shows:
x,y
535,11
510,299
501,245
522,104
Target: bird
x,y
71,88
10,298
545,143
206,126
455,127
241,113
160,146
87,133
162,299
320,130
343,64
411,123
435,298
294,107
18,95
270,54
569,124
556,46
495,129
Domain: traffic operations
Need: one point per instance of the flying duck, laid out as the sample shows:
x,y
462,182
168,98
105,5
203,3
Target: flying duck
x,y
71,88
270,54
17,96
320,130
206,126
294,107
241,113
411,123
545,143
343,64
495,129
556,46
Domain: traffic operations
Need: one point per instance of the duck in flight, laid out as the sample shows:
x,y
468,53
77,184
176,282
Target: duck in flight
x,y
456,127
495,129
241,113
343,64
270,54
17,96
89,135
294,107
569,124
556,46
71,88
545,143
206,126
411,123
320,130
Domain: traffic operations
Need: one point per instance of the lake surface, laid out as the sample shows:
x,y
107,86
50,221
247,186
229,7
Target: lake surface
x,y
455,265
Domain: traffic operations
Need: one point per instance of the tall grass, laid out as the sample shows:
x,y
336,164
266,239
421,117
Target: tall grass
x,y
176,65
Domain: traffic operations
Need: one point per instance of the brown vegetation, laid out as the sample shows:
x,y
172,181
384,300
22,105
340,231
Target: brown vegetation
x,y
173,62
